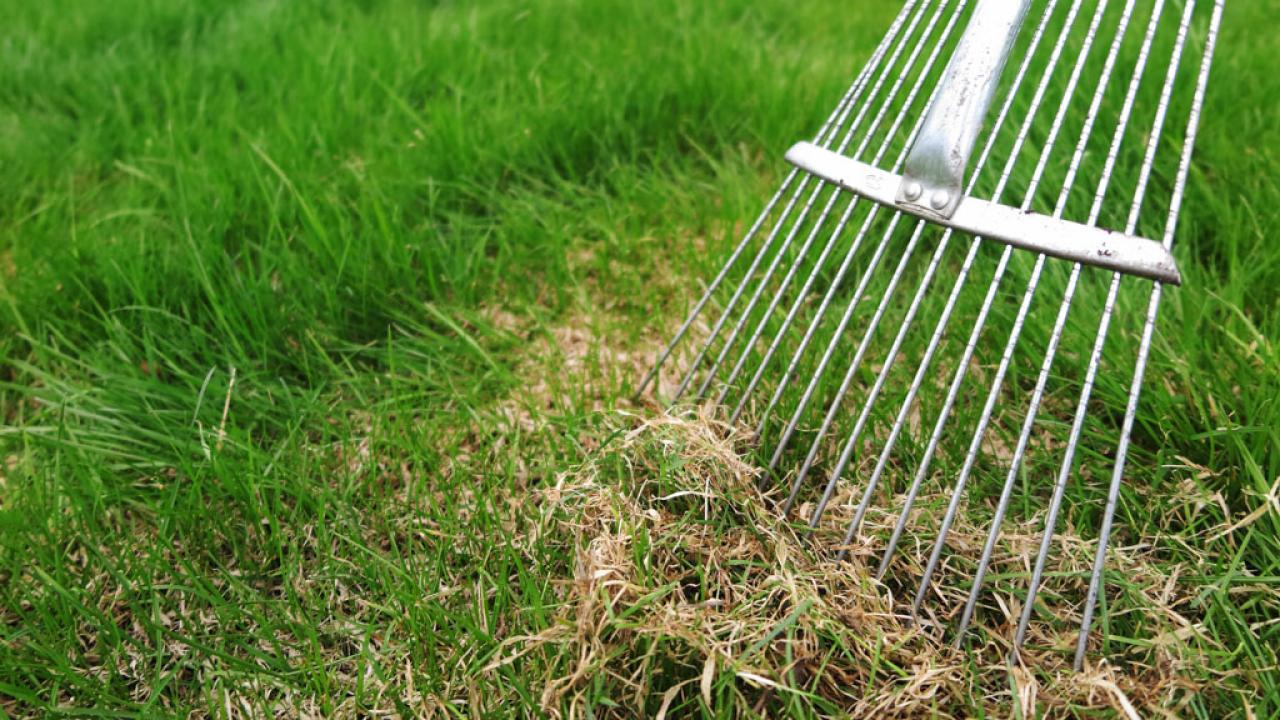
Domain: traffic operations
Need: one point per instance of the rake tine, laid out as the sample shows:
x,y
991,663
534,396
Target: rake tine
x,y
764,283
1109,305
975,445
944,318
804,343
858,355
826,358
746,280
905,325
802,295
872,483
822,218
863,344
834,343
847,453
832,290
980,321
844,269
835,286
728,310
829,130
1042,380
1001,266
843,324
1144,348
829,419
715,284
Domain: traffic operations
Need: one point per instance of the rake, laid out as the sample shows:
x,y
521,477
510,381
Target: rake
x,y
859,386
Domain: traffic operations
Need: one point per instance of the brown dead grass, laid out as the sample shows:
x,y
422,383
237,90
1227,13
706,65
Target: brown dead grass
x,y
680,563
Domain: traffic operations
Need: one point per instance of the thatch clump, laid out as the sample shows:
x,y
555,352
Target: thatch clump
x,y
688,588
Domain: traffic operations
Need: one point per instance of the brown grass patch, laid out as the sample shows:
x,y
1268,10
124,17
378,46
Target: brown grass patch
x,y
688,588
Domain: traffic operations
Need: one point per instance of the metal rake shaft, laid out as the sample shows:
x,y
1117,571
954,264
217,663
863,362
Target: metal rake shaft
x,y
1069,105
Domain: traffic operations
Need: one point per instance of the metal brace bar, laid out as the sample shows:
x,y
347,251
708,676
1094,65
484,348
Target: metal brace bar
x,y
1073,241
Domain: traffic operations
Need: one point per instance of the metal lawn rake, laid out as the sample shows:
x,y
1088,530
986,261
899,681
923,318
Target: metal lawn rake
x,y
879,341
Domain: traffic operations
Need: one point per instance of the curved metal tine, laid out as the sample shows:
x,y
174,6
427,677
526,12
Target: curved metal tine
x,y
872,265
1108,306
803,293
834,406
715,283
825,135
904,410
979,322
864,105
993,395
845,382
1050,353
833,344
846,453
845,319
836,196
1144,348
909,319
832,291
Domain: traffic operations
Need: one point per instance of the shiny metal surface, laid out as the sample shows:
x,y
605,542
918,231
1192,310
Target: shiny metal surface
x,y
1059,238
933,177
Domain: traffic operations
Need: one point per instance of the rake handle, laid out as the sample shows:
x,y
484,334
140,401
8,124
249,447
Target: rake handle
x,y
933,175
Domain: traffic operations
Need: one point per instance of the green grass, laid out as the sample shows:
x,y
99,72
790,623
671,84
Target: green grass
x,y
303,306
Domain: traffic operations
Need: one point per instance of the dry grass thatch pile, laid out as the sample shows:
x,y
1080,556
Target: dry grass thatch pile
x,y
688,588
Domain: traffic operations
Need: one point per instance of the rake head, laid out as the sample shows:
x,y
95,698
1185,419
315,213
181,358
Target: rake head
x,y
926,300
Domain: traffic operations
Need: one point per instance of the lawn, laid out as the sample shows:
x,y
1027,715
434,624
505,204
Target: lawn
x,y
320,326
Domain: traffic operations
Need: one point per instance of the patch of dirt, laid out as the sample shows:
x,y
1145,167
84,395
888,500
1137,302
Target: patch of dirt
x,y
578,366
